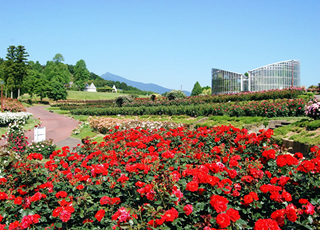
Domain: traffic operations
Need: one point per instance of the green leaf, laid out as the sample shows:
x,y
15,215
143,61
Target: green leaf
x,y
58,225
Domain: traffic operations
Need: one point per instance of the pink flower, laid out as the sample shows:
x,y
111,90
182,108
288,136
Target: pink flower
x,y
188,209
65,216
309,209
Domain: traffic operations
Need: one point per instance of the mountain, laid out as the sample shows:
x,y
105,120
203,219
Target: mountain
x,y
142,86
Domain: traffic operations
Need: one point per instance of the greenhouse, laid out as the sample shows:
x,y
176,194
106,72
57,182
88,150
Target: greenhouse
x,y
274,76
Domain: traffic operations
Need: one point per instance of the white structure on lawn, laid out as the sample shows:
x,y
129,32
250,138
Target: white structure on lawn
x,y
114,89
90,88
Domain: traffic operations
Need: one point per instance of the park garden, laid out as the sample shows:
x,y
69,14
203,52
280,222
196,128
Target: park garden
x,y
171,162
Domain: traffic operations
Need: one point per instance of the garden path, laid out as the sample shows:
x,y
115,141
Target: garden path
x,y
58,127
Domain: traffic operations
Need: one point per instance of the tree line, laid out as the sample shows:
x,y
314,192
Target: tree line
x,y
52,80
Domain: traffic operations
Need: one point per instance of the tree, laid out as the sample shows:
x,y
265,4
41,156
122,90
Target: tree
x,y
57,91
15,68
81,74
206,91
58,58
31,81
42,87
197,89
56,70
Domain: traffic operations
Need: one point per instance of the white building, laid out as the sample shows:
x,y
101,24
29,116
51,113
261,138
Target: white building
x,y
90,88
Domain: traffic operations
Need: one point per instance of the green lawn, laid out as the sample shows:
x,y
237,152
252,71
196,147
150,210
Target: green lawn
x,y
81,95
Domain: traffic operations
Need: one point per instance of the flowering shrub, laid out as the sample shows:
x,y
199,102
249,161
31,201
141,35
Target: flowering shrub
x,y
12,105
45,148
104,124
15,137
9,117
289,93
218,178
280,108
312,109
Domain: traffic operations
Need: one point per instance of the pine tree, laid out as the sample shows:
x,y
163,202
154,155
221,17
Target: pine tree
x,y
197,89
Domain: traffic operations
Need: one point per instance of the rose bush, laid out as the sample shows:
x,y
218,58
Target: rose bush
x,y
9,117
312,109
218,178
278,108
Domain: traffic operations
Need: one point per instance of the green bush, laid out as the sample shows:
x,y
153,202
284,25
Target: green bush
x,y
176,94
313,125
123,99
45,148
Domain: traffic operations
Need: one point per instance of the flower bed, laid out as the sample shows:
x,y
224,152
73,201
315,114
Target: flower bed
x,y
218,178
104,124
9,117
278,108
12,105
289,93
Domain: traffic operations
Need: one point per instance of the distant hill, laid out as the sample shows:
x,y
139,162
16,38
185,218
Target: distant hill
x,y
142,86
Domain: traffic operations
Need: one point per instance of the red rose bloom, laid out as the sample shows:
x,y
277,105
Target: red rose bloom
x,y
248,199
223,220
266,224
3,196
171,215
278,216
80,187
219,203
100,214
291,215
18,200
233,214
61,194
188,209
65,216
192,186
57,211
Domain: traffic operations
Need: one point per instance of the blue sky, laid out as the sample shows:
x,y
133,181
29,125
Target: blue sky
x,y
171,43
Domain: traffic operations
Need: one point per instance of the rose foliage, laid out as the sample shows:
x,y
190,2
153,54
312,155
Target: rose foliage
x,y
218,178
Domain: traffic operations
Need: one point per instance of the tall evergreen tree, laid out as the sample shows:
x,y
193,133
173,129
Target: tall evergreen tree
x,y
15,69
197,89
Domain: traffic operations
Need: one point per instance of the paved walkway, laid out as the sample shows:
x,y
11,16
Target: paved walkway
x,y
58,127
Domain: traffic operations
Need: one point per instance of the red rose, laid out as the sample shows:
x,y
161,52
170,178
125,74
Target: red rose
x,y
1,218
3,196
80,187
266,224
69,209
188,209
65,216
105,200
219,203
57,211
192,186
248,199
233,214
291,215
100,214
254,195
286,196
278,216
171,215
223,220
18,200
61,194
